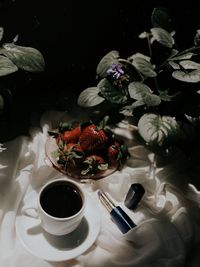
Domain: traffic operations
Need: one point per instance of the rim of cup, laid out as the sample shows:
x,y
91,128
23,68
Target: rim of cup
x,y
76,185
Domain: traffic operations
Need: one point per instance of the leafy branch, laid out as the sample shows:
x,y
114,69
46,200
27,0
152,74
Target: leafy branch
x,y
14,57
160,94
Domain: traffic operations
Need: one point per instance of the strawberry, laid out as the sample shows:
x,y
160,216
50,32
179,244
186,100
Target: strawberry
x,y
117,153
58,138
93,164
72,147
113,152
71,155
71,136
93,138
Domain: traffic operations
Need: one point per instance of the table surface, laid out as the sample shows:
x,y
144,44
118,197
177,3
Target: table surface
x,y
167,218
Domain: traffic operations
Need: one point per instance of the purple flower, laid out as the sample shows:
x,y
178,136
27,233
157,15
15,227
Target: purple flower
x,y
116,71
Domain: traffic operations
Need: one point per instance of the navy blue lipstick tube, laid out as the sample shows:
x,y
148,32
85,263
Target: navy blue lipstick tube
x,y
118,215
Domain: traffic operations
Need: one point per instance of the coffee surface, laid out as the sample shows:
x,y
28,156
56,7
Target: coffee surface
x,y
61,200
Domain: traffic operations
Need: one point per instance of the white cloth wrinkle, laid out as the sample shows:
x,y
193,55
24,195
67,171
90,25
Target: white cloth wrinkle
x,y
167,218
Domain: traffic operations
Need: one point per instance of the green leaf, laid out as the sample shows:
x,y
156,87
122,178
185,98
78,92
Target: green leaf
x,y
163,37
157,130
190,77
143,35
152,100
128,110
90,97
6,66
144,66
143,94
139,55
197,38
174,65
138,90
26,58
160,18
1,33
165,96
188,64
1,104
106,62
110,93
183,57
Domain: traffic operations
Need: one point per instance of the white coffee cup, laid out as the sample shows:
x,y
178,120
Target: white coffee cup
x,y
60,206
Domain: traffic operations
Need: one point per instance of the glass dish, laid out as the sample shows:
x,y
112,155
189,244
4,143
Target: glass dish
x,y
51,148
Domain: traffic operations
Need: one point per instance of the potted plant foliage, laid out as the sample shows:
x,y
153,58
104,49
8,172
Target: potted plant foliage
x,y
13,58
158,89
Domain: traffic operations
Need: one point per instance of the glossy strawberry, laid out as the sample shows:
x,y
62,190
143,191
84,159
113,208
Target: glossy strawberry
x,y
113,152
72,147
93,138
71,136
58,138
93,164
71,155
117,152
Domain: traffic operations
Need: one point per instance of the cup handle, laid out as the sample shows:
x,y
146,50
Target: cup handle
x,y
31,212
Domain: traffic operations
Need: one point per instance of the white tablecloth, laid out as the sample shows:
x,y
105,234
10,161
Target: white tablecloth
x,y
167,218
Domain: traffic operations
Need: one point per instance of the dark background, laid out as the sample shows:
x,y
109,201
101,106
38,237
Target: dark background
x,y
73,36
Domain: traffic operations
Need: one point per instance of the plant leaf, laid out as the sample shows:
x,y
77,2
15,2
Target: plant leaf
x,y
183,57
188,64
197,38
143,35
151,100
1,33
143,94
144,66
106,62
90,97
160,18
139,55
138,90
6,66
190,77
165,96
163,37
157,130
26,58
110,93
174,65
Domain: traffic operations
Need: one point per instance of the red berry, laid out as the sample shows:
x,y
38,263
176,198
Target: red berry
x,y
94,158
113,152
93,139
72,147
59,139
72,136
93,164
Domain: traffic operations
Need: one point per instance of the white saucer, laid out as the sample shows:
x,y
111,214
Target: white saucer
x,y
59,248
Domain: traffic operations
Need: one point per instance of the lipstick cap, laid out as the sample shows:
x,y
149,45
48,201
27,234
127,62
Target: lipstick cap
x,y
134,195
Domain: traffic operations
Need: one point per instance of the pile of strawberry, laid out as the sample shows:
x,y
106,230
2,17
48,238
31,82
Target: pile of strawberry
x,y
88,147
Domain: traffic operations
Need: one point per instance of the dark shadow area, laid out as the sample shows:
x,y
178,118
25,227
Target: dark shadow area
x,y
73,36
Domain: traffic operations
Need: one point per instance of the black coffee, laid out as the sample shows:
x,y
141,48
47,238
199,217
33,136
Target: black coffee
x,y
61,200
